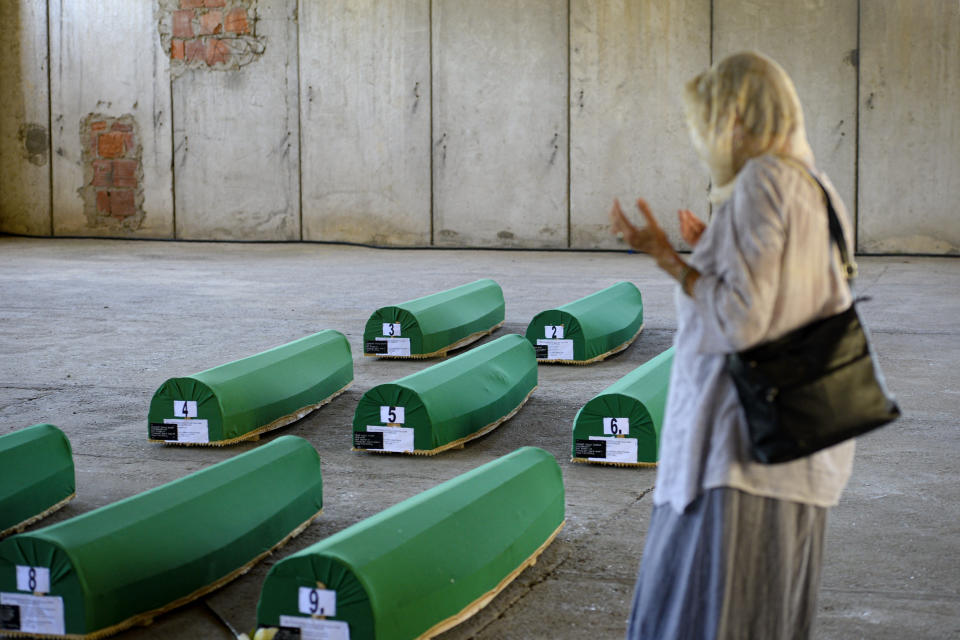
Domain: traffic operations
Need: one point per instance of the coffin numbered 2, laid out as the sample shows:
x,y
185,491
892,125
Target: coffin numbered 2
x,y
590,329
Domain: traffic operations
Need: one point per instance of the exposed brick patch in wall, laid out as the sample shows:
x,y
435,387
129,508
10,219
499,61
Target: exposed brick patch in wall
x,y
112,188
209,34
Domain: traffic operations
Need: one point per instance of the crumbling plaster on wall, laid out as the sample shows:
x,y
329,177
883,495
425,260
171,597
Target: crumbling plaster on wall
x,y
209,34
112,190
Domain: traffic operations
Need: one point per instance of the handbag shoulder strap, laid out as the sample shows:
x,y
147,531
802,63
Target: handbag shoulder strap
x,y
836,231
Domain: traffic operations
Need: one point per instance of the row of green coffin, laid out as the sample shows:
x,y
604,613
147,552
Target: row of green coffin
x,y
411,571
435,409
427,412
583,331
242,399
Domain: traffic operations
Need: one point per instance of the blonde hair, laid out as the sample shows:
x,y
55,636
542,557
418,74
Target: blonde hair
x,y
743,107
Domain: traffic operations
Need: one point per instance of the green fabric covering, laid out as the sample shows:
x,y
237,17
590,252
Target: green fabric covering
x,y
435,322
424,560
36,473
597,323
246,395
456,398
144,552
640,396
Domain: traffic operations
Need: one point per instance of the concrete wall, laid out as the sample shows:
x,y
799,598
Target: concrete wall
x,y
823,69
909,154
24,120
450,122
500,123
365,121
628,63
106,61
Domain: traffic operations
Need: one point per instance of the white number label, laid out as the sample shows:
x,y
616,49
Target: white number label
x,y
392,415
185,408
391,329
553,332
33,579
317,602
616,426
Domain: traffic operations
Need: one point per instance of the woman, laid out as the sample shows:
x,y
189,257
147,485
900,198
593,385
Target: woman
x,y
734,547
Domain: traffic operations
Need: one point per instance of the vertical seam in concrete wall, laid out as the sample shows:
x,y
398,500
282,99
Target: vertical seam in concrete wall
x,y
432,94
299,131
173,163
569,169
49,125
856,143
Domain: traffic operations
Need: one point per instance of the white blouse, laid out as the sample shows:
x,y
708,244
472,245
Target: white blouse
x,y
767,266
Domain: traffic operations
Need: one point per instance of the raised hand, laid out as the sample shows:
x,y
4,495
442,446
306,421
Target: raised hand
x,y
652,239
691,227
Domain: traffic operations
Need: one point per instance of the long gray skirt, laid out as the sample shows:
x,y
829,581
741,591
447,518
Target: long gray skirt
x,y
733,565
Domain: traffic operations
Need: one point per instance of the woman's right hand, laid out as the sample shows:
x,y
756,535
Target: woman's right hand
x,y
691,227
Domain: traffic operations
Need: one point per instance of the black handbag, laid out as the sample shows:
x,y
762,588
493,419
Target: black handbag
x,y
814,387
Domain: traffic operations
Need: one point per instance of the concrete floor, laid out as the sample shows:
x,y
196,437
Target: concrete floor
x,y
90,328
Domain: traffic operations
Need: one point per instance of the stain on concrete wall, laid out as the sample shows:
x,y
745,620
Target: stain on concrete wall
x,y
113,173
209,34
35,143
24,117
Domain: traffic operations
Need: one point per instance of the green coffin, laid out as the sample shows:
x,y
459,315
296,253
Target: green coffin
x,y
125,563
242,399
432,325
589,329
621,426
449,403
426,564
36,476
